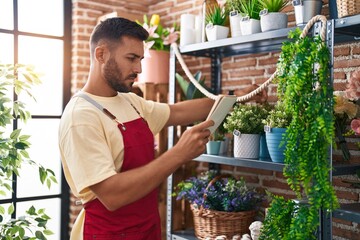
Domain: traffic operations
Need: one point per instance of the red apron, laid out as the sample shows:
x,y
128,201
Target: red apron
x,y
139,220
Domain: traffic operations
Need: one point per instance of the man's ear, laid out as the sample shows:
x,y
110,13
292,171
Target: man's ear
x,y
100,53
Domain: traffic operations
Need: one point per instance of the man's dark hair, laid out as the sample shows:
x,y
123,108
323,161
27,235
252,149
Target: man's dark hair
x,y
113,29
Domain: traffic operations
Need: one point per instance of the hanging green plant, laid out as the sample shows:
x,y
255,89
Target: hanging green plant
x,y
304,87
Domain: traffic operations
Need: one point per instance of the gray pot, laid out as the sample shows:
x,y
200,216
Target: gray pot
x,y
273,21
305,10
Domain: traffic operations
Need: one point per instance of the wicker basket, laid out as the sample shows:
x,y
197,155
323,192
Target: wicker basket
x,y
347,7
210,223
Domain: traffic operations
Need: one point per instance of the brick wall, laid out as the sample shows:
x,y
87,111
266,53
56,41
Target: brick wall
x,y
237,72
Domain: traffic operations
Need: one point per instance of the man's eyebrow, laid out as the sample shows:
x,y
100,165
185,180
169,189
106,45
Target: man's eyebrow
x,y
135,55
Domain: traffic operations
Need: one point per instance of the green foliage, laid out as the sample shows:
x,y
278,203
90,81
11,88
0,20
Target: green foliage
x,y
273,5
188,88
13,147
246,118
278,116
279,214
251,8
305,89
232,5
216,16
34,223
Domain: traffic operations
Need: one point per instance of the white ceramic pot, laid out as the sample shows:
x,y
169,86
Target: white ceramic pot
x,y
246,145
216,32
273,21
235,20
305,10
250,26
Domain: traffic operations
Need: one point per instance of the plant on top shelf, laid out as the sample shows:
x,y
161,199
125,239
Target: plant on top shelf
x,y
232,5
273,5
304,87
251,8
271,17
216,16
215,23
251,22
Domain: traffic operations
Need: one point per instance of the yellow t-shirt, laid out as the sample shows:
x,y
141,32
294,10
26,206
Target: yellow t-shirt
x,y
91,145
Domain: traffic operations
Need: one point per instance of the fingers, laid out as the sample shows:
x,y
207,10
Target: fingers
x,y
205,124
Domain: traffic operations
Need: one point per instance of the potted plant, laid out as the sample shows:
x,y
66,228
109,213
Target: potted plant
x,y
306,9
14,153
215,23
308,97
271,17
275,127
245,122
155,65
188,88
251,22
214,144
223,202
235,16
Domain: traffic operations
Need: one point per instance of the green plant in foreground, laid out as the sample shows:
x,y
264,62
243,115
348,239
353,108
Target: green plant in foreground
x,y
216,16
13,152
273,5
305,89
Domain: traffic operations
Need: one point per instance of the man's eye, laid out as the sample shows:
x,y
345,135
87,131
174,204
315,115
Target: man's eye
x,y
131,59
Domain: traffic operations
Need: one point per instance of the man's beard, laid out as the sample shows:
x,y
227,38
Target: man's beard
x,y
114,77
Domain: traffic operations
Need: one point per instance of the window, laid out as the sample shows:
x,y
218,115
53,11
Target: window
x,y
38,32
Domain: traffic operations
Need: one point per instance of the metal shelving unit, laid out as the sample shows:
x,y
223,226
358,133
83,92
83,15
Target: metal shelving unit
x,y
339,31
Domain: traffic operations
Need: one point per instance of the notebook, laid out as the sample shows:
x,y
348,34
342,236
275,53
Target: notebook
x,y
220,109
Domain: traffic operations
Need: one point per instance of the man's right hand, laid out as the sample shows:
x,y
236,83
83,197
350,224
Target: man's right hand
x,y
192,142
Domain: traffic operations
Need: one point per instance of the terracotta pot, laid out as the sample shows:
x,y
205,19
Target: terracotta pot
x,y
155,68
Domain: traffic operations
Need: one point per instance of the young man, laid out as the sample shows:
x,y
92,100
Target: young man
x,y
107,145
106,140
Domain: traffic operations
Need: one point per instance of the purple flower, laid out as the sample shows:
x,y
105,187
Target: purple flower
x,y
226,194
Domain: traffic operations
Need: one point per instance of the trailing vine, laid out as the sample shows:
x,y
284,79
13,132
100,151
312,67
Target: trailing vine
x,y
304,87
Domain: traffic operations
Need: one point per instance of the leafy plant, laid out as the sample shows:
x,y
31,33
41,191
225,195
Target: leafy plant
x,y
251,8
246,118
216,16
278,117
188,88
305,89
273,5
13,150
232,5
226,194
218,135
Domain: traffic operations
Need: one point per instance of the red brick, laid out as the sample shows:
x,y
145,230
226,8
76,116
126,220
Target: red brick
x,y
347,195
340,51
273,183
347,63
246,73
356,49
